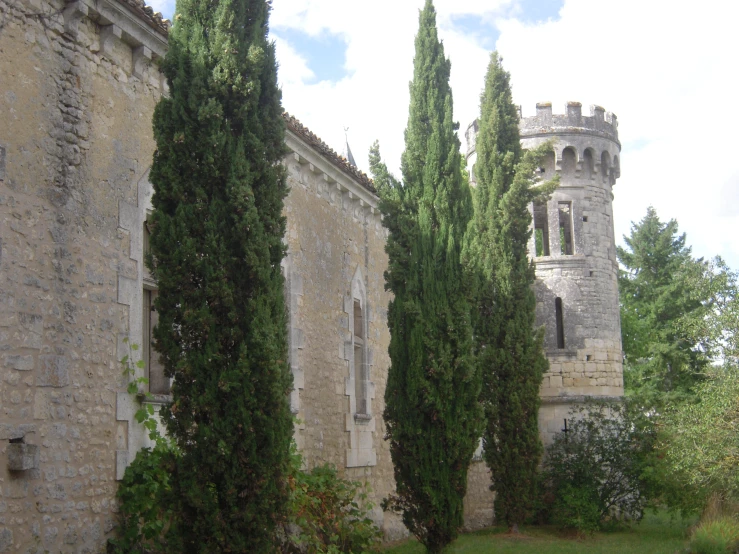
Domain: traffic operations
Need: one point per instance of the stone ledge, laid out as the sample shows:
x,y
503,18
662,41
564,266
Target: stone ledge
x,y
16,432
556,262
579,399
130,27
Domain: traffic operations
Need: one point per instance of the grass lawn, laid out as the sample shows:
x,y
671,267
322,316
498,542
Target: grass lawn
x,y
656,534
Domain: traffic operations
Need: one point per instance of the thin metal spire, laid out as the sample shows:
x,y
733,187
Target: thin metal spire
x,y
348,151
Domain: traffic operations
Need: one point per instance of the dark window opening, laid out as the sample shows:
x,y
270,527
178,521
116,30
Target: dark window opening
x,y
360,377
585,219
358,323
159,383
541,229
560,323
565,228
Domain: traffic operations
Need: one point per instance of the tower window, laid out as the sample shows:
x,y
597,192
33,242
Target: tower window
x,y
360,377
541,229
560,323
565,228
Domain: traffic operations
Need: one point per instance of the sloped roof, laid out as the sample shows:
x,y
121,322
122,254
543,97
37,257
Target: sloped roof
x,y
148,16
327,152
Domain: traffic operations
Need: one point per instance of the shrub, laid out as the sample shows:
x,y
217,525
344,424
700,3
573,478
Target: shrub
x,y
327,514
594,473
716,536
577,508
700,442
147,521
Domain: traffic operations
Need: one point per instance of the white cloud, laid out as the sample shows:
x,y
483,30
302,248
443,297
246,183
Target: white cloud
x,y
293,68
665,67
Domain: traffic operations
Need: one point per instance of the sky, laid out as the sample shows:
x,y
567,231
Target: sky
x,y
666,68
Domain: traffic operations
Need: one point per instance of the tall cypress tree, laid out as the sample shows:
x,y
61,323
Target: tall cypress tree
x,y
216,250
508,349
432,411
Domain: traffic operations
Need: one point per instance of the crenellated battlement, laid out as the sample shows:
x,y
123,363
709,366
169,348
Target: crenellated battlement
x,y
599,123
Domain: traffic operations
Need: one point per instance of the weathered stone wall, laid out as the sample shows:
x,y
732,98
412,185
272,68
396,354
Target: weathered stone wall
x,y
75,130
336,254
478,503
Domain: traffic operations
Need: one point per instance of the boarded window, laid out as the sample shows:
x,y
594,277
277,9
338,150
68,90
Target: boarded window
x,y
541,229
360,374
565,228
158,382
560,323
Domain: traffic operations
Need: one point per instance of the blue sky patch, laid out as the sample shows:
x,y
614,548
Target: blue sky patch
x,y
537,11
484,32
325,55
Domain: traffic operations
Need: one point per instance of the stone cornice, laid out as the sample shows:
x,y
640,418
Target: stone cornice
x,y
135,29
333,175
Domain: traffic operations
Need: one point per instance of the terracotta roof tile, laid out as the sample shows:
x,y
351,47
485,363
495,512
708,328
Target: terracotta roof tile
x,y
327,152
154,20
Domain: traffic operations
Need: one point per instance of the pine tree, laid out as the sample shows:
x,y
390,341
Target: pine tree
x,y
660,296
508,348
216,251
432,411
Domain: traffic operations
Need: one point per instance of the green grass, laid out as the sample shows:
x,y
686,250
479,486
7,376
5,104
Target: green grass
x,y
656,534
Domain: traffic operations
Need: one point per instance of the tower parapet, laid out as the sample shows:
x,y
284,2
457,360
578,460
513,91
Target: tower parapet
x,y
600,123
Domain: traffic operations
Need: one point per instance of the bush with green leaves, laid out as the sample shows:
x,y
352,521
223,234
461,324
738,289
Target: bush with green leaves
x,y
327,514
594,474
700,442
147,521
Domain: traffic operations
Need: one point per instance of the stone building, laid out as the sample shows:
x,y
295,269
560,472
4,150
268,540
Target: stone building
x,y
574,248
78,84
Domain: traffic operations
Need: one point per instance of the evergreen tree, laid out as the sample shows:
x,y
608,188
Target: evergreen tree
x,y
216,251
662,300
509,350
432,411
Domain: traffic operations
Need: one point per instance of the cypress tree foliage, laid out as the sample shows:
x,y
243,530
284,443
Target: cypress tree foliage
x,y
216,250
508,349
432,411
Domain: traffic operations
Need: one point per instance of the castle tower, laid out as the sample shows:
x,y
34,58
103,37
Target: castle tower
x,y
574,248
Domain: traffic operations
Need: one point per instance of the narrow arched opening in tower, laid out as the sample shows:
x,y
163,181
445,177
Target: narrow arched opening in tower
x,y
560,323
588,165
569,163
605,164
